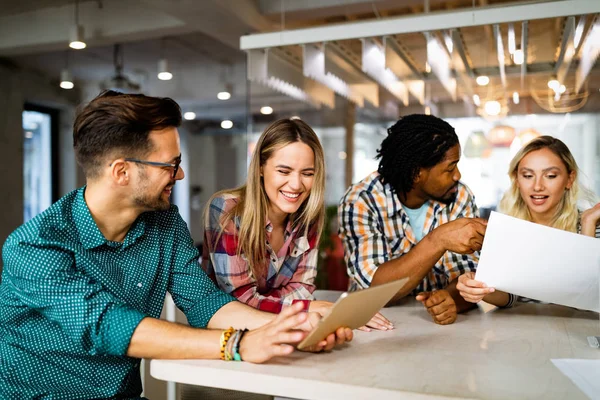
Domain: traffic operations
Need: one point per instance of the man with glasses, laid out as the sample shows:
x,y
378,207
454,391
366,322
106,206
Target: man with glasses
x,y
84,282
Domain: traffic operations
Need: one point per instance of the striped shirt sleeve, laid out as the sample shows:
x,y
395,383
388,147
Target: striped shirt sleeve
x,y
365,245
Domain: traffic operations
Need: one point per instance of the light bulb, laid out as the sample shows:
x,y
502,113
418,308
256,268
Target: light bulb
x,y
189,115
482,80
492,107
226,124
518,57
266,110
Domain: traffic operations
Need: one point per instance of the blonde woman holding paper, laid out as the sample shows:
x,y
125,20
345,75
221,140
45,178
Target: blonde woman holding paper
x,y
545,190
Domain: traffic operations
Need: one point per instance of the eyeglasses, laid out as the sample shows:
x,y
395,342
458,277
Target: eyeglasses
x,y
175,165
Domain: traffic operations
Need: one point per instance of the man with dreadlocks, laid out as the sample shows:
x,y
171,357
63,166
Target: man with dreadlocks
x,y
413,218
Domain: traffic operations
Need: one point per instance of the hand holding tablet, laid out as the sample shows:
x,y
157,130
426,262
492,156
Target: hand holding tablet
x,y
353,310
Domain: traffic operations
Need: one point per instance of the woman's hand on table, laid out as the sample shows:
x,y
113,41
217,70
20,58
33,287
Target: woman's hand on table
x,y
471,290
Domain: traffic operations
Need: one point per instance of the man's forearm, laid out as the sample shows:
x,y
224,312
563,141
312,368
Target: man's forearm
x,y
240,316
415,265
155,338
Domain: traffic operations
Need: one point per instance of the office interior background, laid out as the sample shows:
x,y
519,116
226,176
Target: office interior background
x,y
501,72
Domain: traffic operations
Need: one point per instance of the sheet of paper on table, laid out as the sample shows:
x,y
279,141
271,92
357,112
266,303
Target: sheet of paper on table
x,y
542,263
585,374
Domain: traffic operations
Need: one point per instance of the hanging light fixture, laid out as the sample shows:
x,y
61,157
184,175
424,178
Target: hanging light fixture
x,y
524,137
553,83
501,136
163,64
518,56
163,70
66,80
477,145
225,93
77,32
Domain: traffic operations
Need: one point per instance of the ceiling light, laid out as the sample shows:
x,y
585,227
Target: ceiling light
x,y
226,124
266,110
554,84
77,32
476,100
482,80
518,57
516,97
562,89
76,37
189,115
492,107
66,80
223,95
163,70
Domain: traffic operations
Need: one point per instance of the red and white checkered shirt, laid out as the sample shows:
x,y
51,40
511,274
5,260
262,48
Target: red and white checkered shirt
x,y
375,228
289,276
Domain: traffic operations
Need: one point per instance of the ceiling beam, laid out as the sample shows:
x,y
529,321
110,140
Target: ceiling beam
x,y
512,12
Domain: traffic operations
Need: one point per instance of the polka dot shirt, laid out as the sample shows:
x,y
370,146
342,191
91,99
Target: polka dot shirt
x,y
70,300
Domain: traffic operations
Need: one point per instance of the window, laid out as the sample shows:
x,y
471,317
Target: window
x,y
38,163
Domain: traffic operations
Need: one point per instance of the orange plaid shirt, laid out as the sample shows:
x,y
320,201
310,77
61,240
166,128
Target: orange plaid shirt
x,y
375,228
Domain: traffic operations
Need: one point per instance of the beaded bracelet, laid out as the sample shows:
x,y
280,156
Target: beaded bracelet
x,y
236,345
224,339
229,346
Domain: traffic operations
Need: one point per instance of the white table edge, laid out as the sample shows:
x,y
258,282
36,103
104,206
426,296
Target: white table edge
x,y
245,381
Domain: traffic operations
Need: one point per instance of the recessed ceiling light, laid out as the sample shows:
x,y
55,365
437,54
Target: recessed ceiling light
x,y
482,80
266,110
226,124
189,115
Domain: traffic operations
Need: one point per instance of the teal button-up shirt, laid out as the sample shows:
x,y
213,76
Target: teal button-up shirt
x,y
70,300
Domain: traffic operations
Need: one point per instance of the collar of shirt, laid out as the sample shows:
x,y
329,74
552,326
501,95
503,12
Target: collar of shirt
x,y
93,238
395,207
288,228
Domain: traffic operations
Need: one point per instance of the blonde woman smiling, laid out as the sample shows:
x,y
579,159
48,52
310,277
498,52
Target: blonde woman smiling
x,y
545,190
261,239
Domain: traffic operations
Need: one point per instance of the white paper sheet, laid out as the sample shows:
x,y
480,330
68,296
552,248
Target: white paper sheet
x,y
585,374
542,263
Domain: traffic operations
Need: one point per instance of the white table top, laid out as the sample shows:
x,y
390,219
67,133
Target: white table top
x,y
501,354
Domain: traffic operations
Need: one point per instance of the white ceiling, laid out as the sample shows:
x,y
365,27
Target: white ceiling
x,y
201,41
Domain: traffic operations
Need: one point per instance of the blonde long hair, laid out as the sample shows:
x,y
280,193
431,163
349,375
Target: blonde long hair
x,y
567,214
253,204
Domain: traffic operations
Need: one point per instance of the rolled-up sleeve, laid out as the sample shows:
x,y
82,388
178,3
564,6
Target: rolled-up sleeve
x,y
45,279
365,246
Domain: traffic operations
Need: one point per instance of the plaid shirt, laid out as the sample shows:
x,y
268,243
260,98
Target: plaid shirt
x,y
375,228
290,274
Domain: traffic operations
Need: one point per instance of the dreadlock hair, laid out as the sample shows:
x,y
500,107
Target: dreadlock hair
x,y
416,141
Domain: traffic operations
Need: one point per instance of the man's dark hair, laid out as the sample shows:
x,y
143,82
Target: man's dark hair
x,y
118,125
416,141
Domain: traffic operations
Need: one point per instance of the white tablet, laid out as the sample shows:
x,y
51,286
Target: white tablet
x,y
353,310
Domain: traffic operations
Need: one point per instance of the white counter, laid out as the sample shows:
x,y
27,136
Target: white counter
x,y
501,354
